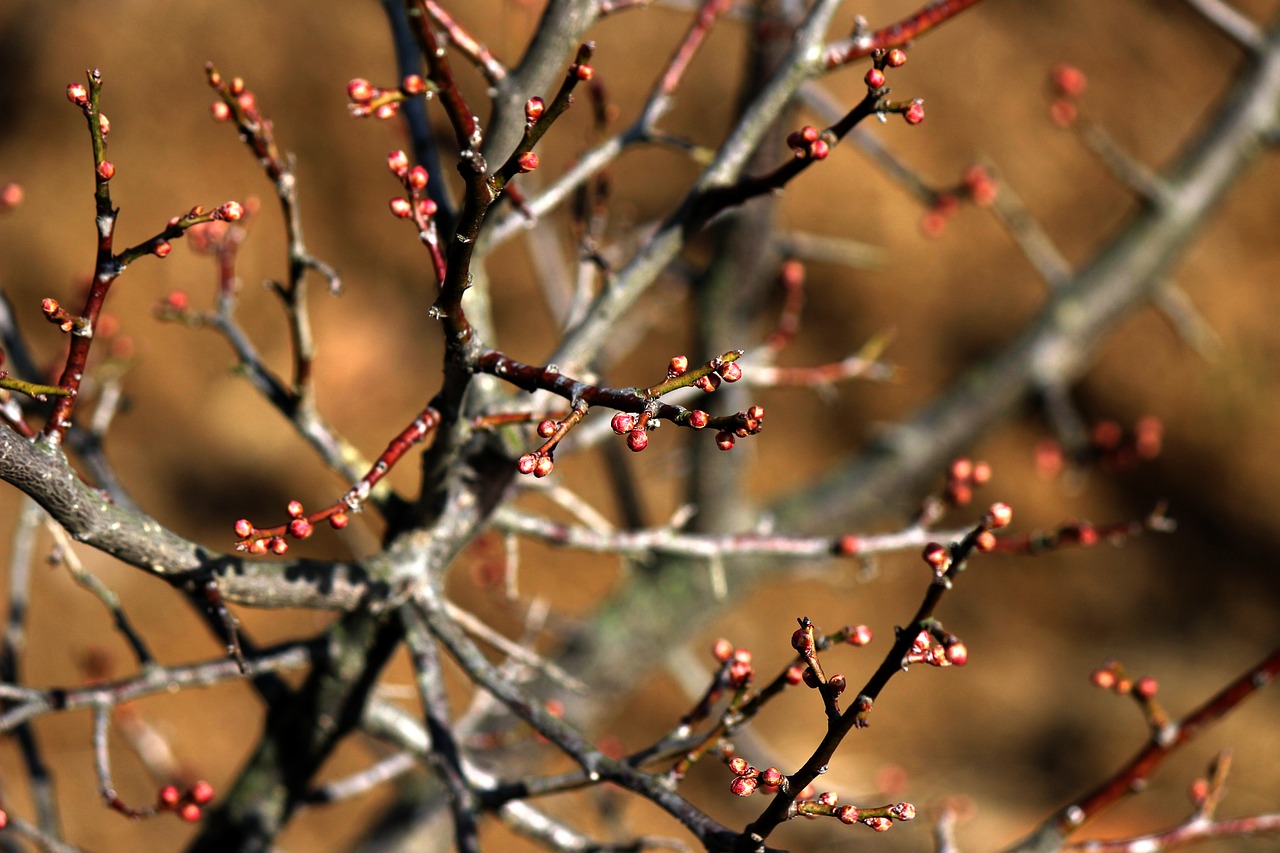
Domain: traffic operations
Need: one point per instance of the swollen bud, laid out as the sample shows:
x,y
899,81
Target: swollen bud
x,y
533,109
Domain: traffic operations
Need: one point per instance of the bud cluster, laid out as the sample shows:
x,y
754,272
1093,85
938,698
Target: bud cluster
x,y
300,526
370,100
941,650
414,180
1109,446
187,805
1066,84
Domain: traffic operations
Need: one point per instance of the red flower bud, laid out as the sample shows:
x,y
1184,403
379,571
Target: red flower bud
x,y
859,636
300,528
678,365
546,428
1001,515
413,85
338,520
722,650
936,555
106,170
915,112
1068,81
77,94
220,111
527,463
278,546
386,111
743,786
232,211
533,109
244,529
161,248
637,440
583,71
896,58
417,178
874,78
725,440
401,208
168,797
201,792
698,419
528,161
189,812
622,423
398,163
360,90
731,371
543,466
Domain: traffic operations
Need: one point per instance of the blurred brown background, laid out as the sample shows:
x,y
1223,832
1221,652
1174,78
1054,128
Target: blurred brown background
x,y
1016,732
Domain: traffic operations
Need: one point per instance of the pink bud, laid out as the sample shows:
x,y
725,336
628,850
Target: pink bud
x,y
398,163
725,440
859,636
401,207
338,520
161,248
413,85
386,111
622,423
237,85
300,528
874,78
1068,81
637,440
189,812
244,529
915,112
11,195
731,371
104,124
544,466
698,419
546,428
417,178
528,161
77,94
1001,515
427,208
294,508
896,58
201,792
743,786
232,211
220,111
583,71
935,555
527,463
106,170
533,109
